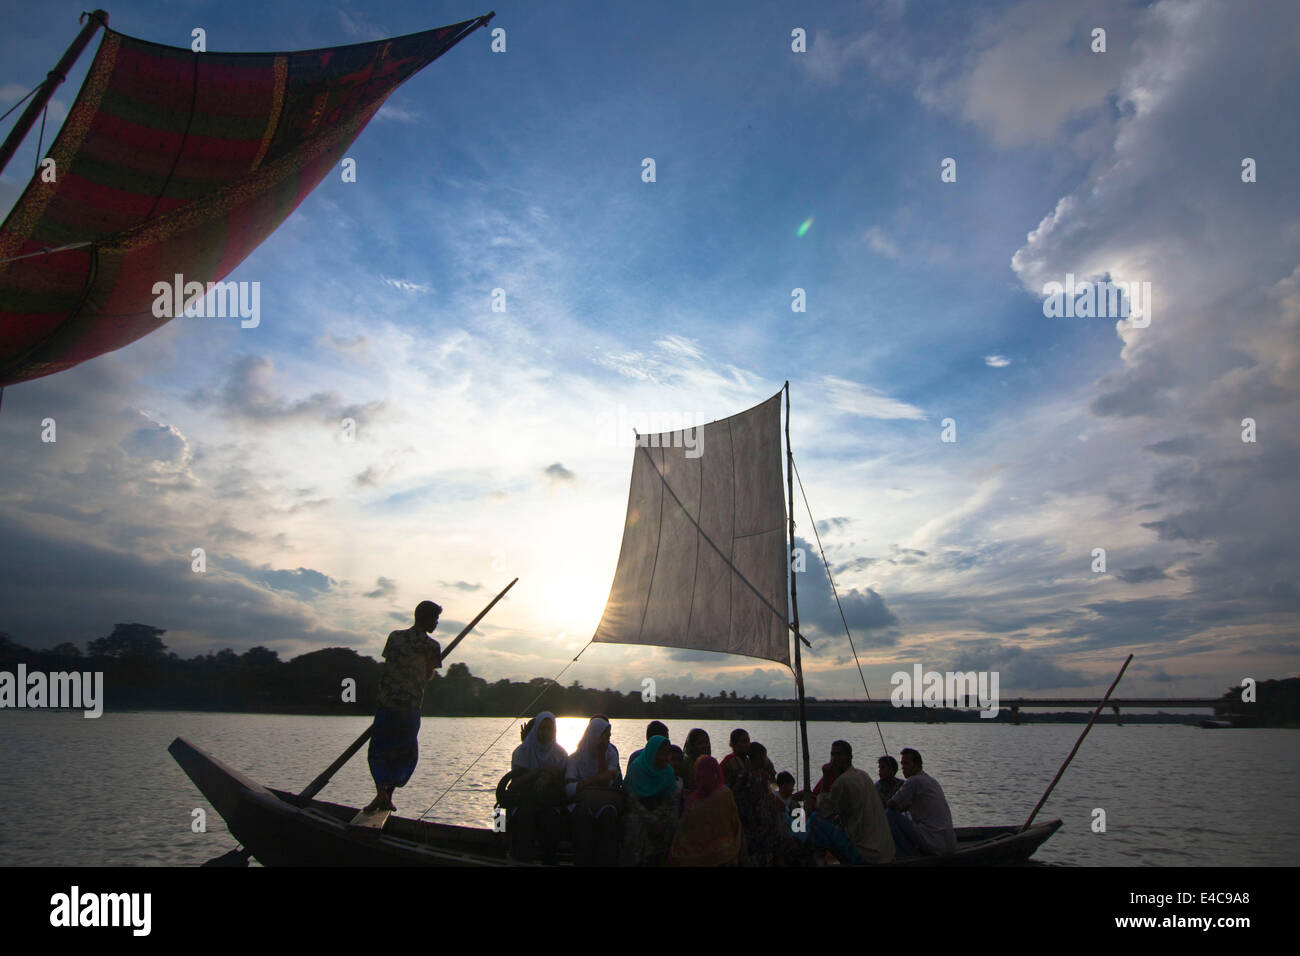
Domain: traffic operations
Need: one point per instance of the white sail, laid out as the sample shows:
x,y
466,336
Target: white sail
x,y
671,587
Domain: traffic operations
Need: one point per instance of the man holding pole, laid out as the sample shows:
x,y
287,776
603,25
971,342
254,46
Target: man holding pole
x,y
410,658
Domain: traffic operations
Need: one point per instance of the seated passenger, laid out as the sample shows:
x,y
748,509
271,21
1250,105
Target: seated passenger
x,y
762,814
536,816
736,762
888,784
594,783
656,728
929,831
709,832
785,790
853,825
651,815
696,746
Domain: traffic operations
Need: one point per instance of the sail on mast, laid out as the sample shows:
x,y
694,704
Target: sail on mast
x,y
177,163
672,588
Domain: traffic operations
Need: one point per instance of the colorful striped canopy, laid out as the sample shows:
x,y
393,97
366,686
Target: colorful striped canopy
x,y
177,163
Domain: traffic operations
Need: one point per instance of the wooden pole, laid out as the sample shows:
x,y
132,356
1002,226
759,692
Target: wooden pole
x,y
794,605
1051,785
318,784
48,86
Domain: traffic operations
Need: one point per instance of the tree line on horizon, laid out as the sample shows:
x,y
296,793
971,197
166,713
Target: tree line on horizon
x,y
141,673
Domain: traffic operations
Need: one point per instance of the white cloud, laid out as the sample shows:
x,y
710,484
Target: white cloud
x,y
855,399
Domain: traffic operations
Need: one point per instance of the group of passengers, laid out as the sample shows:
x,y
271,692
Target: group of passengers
x,y
679,806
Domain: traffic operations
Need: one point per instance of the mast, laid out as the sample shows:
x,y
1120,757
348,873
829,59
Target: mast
x,y
794,604
49,85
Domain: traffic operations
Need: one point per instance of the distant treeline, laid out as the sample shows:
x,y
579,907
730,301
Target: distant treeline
x,y
141,674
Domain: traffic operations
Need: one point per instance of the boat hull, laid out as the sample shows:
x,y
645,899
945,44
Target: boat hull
x,y
281,830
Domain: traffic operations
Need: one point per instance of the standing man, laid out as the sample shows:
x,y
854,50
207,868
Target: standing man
x,y
930,831
410,658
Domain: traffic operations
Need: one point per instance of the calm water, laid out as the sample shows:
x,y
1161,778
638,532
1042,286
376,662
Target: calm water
x,y
105,792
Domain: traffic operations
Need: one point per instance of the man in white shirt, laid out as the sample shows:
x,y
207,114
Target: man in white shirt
x,y
929,832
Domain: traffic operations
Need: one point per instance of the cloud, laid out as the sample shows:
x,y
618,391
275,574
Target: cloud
x,y
882,244
1141,575
406,285
854,399
558,474
996,361
248,394
384,587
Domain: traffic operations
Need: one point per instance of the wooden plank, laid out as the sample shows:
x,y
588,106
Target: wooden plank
x,y
370,819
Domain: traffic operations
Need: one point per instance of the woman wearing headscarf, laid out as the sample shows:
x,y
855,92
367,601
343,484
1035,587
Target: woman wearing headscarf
x,y
696,746
651,814
762,813
536,816
709,832
593,782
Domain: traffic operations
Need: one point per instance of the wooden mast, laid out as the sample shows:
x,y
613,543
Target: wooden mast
x,y
794,605
49,85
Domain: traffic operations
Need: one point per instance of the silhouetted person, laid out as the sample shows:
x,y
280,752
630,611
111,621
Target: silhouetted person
x,y
929,831
410,658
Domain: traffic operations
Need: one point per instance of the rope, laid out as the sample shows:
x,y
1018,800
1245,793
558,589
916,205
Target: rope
x,y
41,139
554,681
21,102
826,564
46,251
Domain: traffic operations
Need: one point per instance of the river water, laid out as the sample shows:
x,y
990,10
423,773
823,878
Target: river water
x,y
105,792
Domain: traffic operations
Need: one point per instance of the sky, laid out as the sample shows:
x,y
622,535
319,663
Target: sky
x,y
491,444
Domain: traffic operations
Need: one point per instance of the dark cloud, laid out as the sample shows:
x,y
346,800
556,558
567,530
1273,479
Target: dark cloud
x,y
247,394
1182,445
383,588
864,610
303,583
461,585
1141,575
827,525
557,473
55,589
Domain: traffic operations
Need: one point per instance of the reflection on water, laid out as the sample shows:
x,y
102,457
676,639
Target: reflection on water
x,y
109,794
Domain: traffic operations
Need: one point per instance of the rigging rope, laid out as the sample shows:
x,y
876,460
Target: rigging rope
x,y
21,102
826,564
554,681
41,140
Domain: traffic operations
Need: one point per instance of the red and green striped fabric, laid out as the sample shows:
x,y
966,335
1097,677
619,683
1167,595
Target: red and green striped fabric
x,y
173,162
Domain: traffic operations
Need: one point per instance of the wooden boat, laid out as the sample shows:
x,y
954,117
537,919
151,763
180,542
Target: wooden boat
x,y
280,829
707,563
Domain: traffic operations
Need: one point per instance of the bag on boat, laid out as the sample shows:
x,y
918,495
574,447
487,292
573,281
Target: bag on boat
x,y
544,787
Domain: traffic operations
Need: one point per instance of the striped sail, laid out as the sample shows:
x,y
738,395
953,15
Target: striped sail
x,y
174,163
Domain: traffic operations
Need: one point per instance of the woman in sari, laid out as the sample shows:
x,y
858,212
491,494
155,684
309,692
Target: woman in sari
x,y
696,746
709,832
651,806
593,781
536,818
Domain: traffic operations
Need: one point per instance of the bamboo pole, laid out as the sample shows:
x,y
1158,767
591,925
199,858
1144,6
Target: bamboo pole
x,y
48,86
1052,785
794,606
